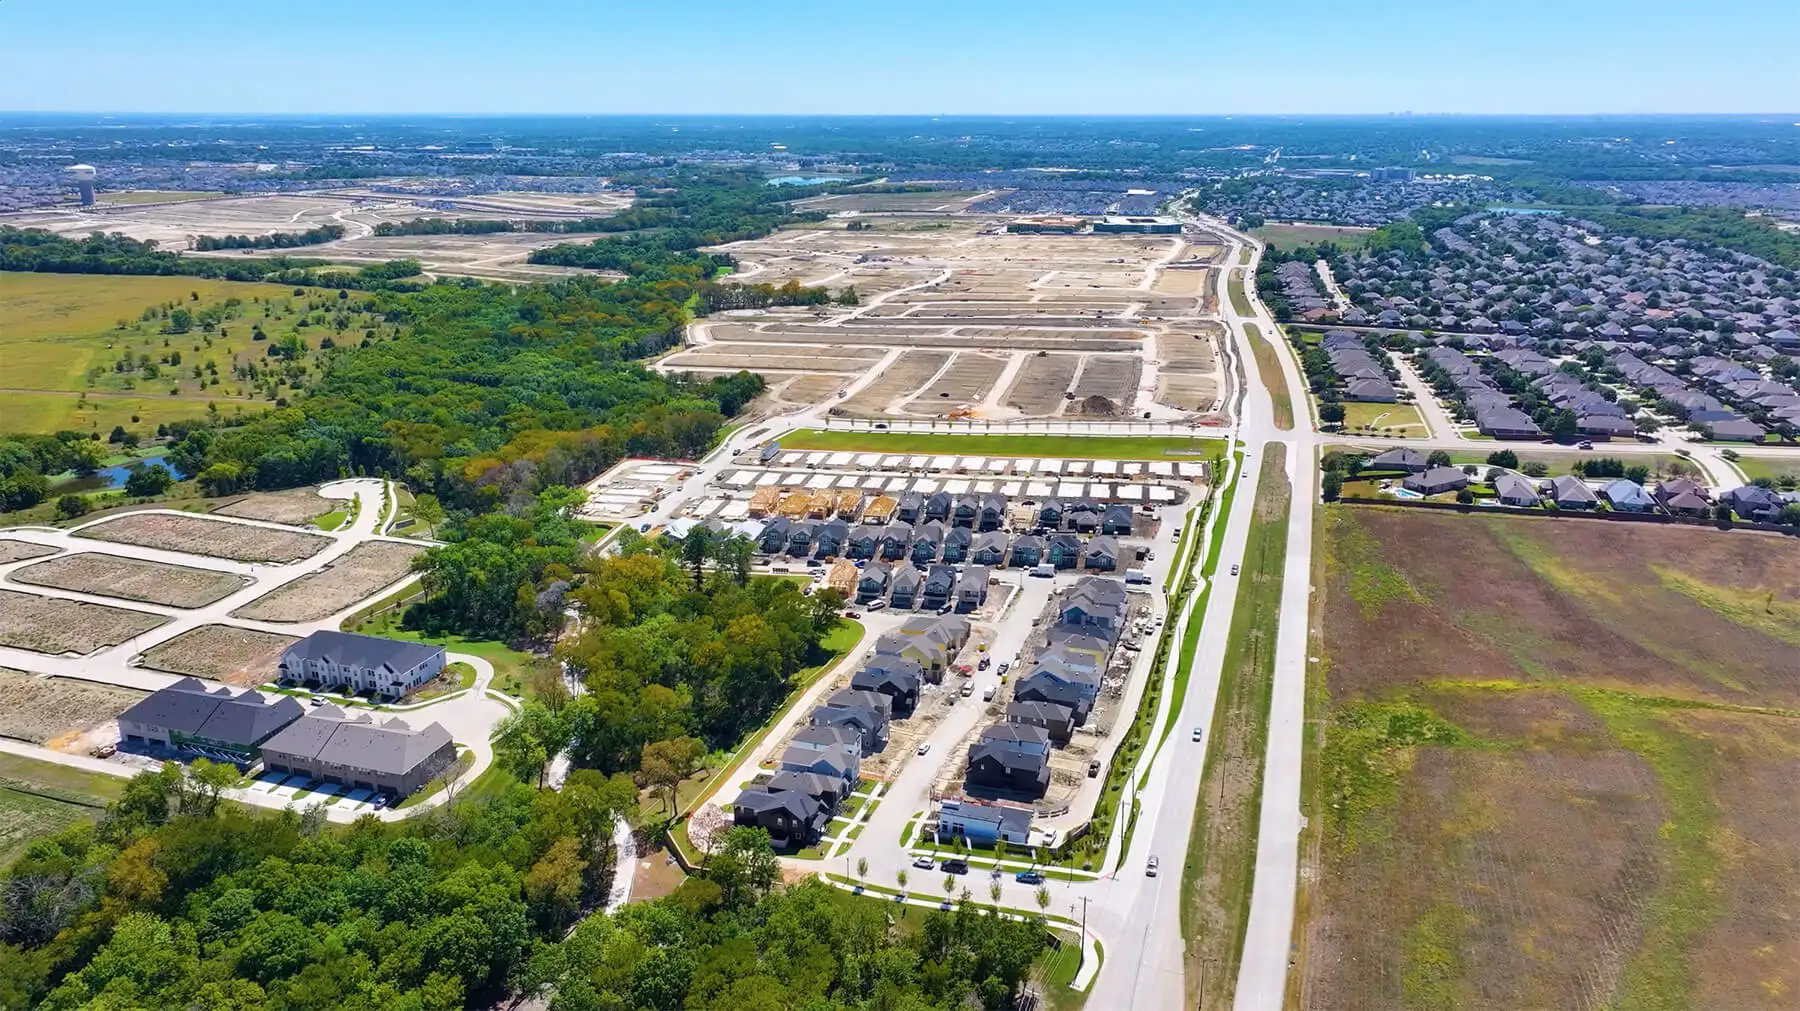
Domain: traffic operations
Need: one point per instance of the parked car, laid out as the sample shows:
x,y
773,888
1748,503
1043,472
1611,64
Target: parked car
x,y
954,867
968,689
876,605
1003,668
986,662
1094,769
923,863
105,751
988,696
1029,878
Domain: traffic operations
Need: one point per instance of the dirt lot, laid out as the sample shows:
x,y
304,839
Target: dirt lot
x,y
43,710
911,371
238,656
965,382
357,574
1113,377
213,538
54,625
296,506
18,551
132,579
1557,766
1039,388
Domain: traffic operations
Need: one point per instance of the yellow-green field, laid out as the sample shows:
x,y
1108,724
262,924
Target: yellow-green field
x,y
63,335
1401,421
1289,236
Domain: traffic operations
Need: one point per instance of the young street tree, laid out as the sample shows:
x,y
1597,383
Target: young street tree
x,y
666,763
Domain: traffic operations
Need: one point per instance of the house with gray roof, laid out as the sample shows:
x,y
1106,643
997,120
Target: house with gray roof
x,y
983,824
220,723
1571,492
1627,496
872,582
829,750
956,544
369,664
1409,460
1437,481
868,712
794,820
1752,502
1516,491
349,748
906,581
1056,719
1010,759
971,588
1101,554
899,678
940,583
989,548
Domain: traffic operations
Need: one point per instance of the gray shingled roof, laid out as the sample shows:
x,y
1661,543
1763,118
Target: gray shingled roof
x,y
350,649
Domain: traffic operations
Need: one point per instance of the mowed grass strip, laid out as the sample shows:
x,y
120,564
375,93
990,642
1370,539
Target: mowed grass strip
x,y
39,799
1268,365
1066,447
1220,865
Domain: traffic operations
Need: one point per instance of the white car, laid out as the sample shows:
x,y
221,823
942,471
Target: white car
x,y
925,748
1152,867
1196,735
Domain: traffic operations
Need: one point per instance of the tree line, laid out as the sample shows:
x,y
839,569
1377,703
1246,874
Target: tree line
x,y
270,240
33,249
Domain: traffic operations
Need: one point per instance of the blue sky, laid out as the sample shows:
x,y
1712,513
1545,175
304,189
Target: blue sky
x,y
916,56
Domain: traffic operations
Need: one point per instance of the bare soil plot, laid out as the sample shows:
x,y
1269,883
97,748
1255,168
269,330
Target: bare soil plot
x,y
238,656
1186,392
214,538
1181,281
1112,377
296,506
1038,389
809,389
356,574
1556,766
725,356
911,371
964,383
132,579
18,551
54,625
41,709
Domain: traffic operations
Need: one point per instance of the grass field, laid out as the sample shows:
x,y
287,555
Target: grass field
x,y
1557,766
154,196
514,670
1774,468
1240,300
1402,421
1289,236
38,799
1067,447
63,336
1268,364
1221,860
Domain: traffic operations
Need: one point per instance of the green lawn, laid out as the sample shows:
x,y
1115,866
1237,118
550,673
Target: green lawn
x,y
1068,447
39,799
1239,299
1400,421
1290,236
1268,364
513,669
1774,468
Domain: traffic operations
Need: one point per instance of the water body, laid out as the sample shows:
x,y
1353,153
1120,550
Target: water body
x,y
109,478
1524,210
805,180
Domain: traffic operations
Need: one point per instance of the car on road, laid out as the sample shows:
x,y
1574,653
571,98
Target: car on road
x,y
1196,735
923,863
954,867
876,605
1029,878
1584,445
1003,668
852,614
986,662
315,701
968,689
1234,570
925,748
1094,769
988,696
1152,867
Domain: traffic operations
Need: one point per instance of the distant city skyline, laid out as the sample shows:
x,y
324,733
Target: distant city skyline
x,y
1004,57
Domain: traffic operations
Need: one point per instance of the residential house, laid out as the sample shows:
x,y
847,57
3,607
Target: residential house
x,y
1056,719
1072,695
1116,519
971,588
872,582
792,819
1027,550
828,539
350,749
1436,481
843,577
1683,497
774,536
989,548
388,668
1063,550
220,723
1409,460
1010,759
982,824
940,583
910,508
937,506
1094,602
827,790
829,750
1050,513
991,514
1627,496
964,510
863,542
896,540
1751,502
1571,492
879,510
899,678
906,581
956,544
1101,554
1514,490
928,540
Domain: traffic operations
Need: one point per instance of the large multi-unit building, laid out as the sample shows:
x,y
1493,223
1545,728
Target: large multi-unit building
x,y
218,722
351,749
1142,224
361,663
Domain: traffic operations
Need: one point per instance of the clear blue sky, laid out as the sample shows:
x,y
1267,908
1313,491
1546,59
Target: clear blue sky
x,y
913,56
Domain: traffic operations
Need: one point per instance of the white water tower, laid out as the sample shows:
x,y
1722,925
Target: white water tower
x,y
83,178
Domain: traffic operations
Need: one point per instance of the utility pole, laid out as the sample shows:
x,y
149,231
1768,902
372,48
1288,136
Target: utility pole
x,y
1081,942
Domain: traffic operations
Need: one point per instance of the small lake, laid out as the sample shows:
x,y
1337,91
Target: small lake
x,y
110,478
1525,210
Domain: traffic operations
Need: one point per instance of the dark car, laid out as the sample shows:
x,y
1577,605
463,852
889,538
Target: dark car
x,y
954,867
1029,878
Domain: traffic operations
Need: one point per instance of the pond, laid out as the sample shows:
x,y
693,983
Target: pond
x,y
805,180
109,478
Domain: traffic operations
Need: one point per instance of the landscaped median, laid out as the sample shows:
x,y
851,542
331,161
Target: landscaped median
x,y
1220,866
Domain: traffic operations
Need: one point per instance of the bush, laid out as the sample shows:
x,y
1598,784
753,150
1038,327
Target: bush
x,y
1465,497
70,506
1504,458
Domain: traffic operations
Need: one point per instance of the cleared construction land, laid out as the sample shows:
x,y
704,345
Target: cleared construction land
x,y
41,710
1555,766
195,535
131,579
295,507
54,625
238,656
18,551
357,574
